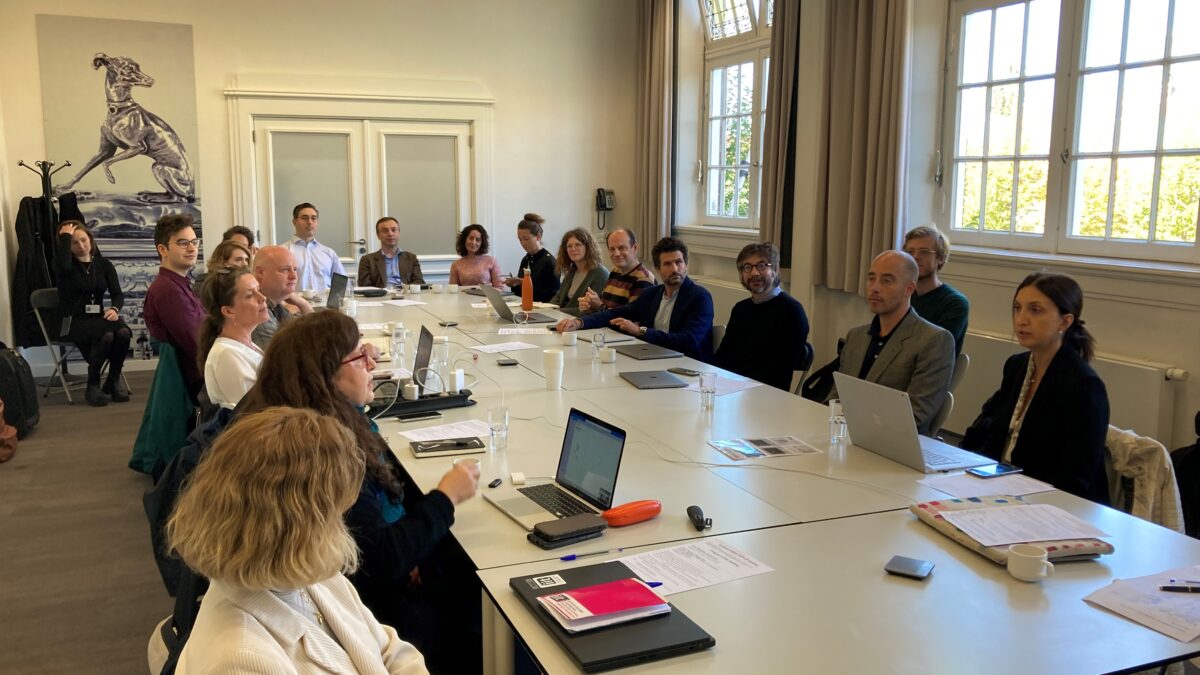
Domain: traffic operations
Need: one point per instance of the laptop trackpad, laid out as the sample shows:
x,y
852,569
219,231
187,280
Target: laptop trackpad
x,y
520,506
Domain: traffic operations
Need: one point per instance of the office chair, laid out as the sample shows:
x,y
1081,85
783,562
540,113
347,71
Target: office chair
x,y
805,364
960,370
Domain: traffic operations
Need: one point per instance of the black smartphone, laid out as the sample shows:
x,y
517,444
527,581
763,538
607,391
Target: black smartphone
x,y
908,567
506,362
447,324
684,371
994,470
417,416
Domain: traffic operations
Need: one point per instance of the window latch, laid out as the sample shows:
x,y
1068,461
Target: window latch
x,y
1065,155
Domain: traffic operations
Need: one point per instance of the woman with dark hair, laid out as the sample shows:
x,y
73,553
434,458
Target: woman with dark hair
x,y
84,277
227,355
475,267
1050,415
318,362
579,263
538,262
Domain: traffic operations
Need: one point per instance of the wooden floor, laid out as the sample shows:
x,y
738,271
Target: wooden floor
x,y
79,591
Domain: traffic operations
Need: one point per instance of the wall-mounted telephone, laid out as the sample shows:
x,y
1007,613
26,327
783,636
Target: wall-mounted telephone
x,y
605,201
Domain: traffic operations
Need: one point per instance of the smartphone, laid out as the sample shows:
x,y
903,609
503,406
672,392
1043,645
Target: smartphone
x,y
684,371
994,470
447,324
506,362
552,328
908,567
417,416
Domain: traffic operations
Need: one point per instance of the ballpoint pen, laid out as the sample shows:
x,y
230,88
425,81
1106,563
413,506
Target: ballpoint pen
x,y
576,556
1183,581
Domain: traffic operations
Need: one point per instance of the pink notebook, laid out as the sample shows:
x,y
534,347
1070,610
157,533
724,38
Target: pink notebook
x,y
603,604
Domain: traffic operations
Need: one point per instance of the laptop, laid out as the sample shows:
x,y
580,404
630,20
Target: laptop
x,y
644,351
477,290
649,639
652,379
584,483
337,290
611,337
421,360
880,419
506,312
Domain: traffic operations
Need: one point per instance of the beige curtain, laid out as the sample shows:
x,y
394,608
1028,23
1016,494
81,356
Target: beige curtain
x,y
779,143
655,111
867,42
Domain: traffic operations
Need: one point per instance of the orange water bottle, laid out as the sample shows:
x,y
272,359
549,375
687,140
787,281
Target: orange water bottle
x,y
526,291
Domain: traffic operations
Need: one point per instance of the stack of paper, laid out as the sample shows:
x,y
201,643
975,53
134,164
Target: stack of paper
x,y
603,604
1173,614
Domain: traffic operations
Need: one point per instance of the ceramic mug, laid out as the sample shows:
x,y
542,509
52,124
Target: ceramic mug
x,y
1028,562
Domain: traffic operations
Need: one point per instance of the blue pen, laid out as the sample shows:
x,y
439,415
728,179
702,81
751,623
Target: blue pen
x,y
576,556
654,584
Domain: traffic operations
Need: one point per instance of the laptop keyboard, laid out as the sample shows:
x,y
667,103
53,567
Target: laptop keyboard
x,y
550,497
934,459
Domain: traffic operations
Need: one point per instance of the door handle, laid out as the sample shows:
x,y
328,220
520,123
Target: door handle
x,y
361,243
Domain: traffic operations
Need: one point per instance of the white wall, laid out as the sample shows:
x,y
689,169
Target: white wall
x,y
562,73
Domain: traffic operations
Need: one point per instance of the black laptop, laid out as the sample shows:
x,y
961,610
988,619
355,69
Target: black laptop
x,y
337,290
628,644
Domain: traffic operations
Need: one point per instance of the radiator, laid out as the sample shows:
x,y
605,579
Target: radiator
x,y
725,295
1140,393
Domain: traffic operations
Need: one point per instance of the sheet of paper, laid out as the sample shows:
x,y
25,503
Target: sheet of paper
x,y
965,486
1015,524
1176,615
694,565
510,330
485,305
402,303
504,347
369,288
728,385
748,448
370,303
372,326
451,430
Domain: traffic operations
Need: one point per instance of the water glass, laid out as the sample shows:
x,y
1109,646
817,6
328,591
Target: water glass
x,y
708,390
497,428
597,345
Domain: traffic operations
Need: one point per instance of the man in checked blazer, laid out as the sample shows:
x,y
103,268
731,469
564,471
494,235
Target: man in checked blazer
x,y
899,349
389,266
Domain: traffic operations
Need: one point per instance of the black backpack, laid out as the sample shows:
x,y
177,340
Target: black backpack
x,y
819,384
18,391
1186,461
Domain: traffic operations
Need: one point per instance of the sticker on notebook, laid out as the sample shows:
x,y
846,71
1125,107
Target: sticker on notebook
x,y
545,581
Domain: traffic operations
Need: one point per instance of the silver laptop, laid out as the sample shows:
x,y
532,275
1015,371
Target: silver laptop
x,y
585,482
506,312
652,379
611,337
644,351
880,419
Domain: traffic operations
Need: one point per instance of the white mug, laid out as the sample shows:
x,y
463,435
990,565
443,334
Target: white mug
x,y
452,288
608,355
414,289
569,338
1028,562
436,288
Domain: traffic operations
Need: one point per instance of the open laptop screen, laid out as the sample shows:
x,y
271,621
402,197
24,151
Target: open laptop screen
x,y
590,459
337,290
421,362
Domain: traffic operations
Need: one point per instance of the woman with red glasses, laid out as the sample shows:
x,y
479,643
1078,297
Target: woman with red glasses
x,y
412,575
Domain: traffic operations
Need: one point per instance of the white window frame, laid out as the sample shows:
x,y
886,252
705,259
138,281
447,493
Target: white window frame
x,y
1056,238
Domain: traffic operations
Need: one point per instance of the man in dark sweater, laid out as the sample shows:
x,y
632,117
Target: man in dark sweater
x,y
935,301
766,333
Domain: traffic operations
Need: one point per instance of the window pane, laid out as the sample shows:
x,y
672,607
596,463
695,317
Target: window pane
x,y
1147,30
1097,112
1185,39
732,90
1090,197
1002,129
1131,198
744,136
1139,108
770,12
967,179
714,192
727,18
729,149
1036,112
743,195
746,92
728,191
1183,106
997,216
1031,197
975,46
971,117
1104,32
1178,199
716,92
1006,48
715,141
1041,45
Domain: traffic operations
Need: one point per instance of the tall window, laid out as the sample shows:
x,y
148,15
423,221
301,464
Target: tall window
x,y
1077,127
737,58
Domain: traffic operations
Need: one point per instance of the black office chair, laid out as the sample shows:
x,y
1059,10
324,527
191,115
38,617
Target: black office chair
x,y
805,365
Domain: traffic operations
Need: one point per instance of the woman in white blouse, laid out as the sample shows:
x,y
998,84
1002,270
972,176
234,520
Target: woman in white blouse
x,y
227,355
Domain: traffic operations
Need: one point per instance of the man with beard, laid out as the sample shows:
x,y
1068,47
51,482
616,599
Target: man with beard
x,y
767,331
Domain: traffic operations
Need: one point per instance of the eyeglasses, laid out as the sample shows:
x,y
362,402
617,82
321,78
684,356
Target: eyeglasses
x,y
187,243
760,266
919,252
365,351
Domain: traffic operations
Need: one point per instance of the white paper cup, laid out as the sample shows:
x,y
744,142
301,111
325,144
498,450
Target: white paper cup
x,y
608,355
552,359
414,289
452,288
436,288
569,338
1028,562
468,461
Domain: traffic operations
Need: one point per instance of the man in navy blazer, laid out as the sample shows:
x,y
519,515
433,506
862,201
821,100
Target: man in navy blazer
x,y
677,315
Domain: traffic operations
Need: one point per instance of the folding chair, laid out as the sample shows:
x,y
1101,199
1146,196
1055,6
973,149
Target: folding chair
x,y
45,308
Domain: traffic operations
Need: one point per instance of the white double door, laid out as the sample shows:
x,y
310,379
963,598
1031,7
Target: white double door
x,y
357,171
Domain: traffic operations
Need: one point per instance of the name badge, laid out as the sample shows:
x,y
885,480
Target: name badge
x,y
91,309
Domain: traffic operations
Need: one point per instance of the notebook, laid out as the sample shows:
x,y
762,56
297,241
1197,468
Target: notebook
x,y
506,312
649,639
611,336
643,351
652,379
584,483
880,419
337,290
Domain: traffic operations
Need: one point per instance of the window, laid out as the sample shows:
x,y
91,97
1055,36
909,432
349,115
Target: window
x,y
737,56
1076,127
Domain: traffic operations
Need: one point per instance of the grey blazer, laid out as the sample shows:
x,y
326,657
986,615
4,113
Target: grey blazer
x,y
372,269
918,359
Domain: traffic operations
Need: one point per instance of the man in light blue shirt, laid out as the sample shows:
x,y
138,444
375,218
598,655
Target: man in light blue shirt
x,y
316,262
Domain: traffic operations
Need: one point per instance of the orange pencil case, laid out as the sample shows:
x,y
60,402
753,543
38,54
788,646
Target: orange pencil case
x,y
632,512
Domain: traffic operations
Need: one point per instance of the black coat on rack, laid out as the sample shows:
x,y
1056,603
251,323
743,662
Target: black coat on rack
x,y
34,226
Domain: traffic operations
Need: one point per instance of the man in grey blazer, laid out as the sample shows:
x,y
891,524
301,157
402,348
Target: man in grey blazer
x,y
899,349
389,266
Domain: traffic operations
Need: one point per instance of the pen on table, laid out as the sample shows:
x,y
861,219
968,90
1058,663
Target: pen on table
x,y
576,556
654,584
1180,589
1183,581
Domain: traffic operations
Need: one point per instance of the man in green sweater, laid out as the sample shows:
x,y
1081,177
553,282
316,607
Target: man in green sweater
x,y
936,301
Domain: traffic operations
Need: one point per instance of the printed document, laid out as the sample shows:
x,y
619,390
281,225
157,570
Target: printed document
x,y
504,347
514,330
1017,524
452,430
403,303
727,385
1173,614
965,486
695,565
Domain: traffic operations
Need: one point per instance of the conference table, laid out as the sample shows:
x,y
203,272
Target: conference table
x,y
826,522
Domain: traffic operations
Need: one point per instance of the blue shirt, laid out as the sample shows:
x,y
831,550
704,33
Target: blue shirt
x,y
317,263
393,269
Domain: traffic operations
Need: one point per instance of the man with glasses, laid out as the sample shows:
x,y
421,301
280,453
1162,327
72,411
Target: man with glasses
x,y
936,301
276,271
317,261
172,312
766,333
